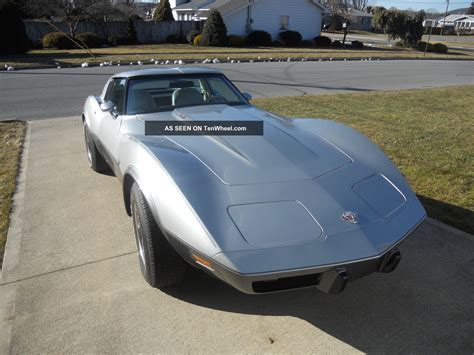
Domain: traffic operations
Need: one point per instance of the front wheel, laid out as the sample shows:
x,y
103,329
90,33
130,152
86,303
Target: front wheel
x,y
96,161
160,265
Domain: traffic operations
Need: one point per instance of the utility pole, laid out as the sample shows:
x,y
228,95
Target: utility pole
x,y
429,38
445,15
344,26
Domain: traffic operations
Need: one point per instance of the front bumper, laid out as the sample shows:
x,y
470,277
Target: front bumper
x,y
329,279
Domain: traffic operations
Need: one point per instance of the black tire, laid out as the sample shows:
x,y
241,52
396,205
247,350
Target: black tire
x,y
160,265
96,161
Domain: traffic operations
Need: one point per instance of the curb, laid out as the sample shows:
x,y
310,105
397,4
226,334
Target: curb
x,y
12,251
241,61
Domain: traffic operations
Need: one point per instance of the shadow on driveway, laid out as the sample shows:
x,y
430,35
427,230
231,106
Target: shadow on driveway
x,y
424,306
459,217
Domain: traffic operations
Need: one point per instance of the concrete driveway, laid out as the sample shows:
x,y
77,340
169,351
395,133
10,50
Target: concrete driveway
x,y
71,282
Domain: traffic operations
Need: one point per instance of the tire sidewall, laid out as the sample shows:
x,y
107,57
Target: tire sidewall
x,y
95,159
160,264
146,264
90,148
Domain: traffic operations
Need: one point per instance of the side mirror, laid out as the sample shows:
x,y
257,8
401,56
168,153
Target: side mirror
x,y
248,96
107,106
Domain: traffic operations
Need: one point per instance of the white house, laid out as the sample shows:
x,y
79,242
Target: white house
x,y
464,24
447,24
244,16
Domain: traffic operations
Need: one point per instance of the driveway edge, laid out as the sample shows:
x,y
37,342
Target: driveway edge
x,y
11,259
448,228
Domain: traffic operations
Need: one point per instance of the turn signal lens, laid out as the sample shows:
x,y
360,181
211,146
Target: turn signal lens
x,y
203,262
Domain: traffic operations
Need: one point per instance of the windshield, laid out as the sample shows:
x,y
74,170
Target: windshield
x,y
165,93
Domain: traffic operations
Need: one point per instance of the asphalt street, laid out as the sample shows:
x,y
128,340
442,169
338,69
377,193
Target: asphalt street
x,y
39,94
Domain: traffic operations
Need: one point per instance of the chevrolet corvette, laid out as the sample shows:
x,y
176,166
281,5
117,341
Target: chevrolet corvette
x,y
305,202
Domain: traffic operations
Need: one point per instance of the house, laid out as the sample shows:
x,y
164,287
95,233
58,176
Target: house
x,y
427,23
244,16
464,24
357,20
447,24
360,20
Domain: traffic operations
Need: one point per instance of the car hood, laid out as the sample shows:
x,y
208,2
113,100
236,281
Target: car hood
x,y
289,188
281,154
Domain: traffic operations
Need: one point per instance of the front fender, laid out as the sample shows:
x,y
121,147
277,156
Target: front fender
x,y
356,145
89,114
168,204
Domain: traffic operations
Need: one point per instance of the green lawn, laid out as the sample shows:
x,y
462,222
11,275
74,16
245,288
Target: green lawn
x,y
429,134
11,138
460,44
47,57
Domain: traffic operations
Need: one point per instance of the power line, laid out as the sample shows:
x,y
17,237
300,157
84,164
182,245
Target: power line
x,y
445,15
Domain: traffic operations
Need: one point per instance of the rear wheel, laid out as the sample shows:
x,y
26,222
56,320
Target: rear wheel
x,y
160,265
96,161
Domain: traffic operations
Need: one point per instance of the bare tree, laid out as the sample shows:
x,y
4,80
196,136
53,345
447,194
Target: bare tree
x,y
360,4
338,8
343,7
70,11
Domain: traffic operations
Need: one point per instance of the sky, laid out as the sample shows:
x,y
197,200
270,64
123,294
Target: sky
x,y
439,5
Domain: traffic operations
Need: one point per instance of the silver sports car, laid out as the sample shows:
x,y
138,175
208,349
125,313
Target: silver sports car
x,y
297,203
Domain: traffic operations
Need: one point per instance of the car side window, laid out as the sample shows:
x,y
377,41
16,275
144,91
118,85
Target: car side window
x,y
116,94
110,85
221,89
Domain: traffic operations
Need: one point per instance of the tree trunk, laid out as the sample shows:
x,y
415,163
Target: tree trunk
x,y
73,23
72,29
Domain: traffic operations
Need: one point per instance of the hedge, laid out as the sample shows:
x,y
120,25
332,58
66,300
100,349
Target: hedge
x,y
259,38
57,40
291,38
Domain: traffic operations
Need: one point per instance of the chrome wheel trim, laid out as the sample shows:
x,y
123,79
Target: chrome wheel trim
x,y
137,227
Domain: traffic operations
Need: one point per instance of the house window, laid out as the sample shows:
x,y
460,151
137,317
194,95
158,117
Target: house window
x,y
284,22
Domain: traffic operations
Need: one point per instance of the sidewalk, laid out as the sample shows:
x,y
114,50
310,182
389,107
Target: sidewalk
x,y
71,282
